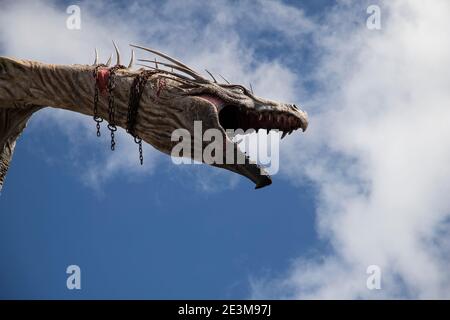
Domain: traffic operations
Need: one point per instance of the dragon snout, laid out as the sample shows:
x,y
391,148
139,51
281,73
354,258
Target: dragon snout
x,y
302,115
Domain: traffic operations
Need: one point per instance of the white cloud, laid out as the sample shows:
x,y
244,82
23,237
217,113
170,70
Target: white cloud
x,y
378,148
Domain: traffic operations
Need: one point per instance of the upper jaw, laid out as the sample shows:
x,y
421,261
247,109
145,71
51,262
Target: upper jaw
x,y
265,115
284,117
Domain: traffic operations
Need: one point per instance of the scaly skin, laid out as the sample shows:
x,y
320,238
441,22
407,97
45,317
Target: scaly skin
x,y
170,101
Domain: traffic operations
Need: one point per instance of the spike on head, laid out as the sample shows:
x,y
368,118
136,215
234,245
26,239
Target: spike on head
x,y
214,79
161,71
167,57
108,63
224,79
117,54
130,65
96,57
188,72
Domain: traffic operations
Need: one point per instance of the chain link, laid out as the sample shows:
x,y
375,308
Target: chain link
x,y
138,140
96,117
135,96
133,105
111,111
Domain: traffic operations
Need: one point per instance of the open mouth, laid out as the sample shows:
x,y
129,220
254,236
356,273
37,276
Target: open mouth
x,y
233,117
284,118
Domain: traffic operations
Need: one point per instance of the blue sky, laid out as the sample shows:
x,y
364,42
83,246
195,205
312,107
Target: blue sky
x,y
357,189
157,239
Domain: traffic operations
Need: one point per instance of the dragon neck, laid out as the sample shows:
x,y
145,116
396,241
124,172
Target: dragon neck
x,y
26,84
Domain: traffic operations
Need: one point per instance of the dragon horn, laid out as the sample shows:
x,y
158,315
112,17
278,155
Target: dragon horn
x,y
165,71
211,75
224,79
117,54
189,72
131,60
166,57
96,57
109,61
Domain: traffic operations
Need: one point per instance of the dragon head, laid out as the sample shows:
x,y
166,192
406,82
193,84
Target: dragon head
x,y
187,97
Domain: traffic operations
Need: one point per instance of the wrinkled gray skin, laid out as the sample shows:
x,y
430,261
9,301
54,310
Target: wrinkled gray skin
x,y
171,100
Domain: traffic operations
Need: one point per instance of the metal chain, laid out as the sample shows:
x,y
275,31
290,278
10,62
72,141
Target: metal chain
x,y
138,140
111,111
133,105
132,112
134,92
96,117
135,96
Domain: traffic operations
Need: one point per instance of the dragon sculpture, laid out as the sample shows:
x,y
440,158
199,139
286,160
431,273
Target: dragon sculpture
x,y
150,103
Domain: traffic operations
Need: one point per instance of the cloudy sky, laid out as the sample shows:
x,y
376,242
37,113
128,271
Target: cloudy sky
x,y
366,185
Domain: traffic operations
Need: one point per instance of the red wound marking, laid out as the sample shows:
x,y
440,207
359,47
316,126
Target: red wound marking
x,y
102,80
161,85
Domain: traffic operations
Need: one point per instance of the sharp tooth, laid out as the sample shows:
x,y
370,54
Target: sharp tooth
x,y
284,134
260,117
269,117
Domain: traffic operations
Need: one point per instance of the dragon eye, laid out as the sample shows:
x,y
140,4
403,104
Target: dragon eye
x,y
240,90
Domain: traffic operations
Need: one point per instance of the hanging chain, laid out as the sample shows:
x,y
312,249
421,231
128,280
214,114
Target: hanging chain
x,y
111,111
138,140
133,105
96,117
